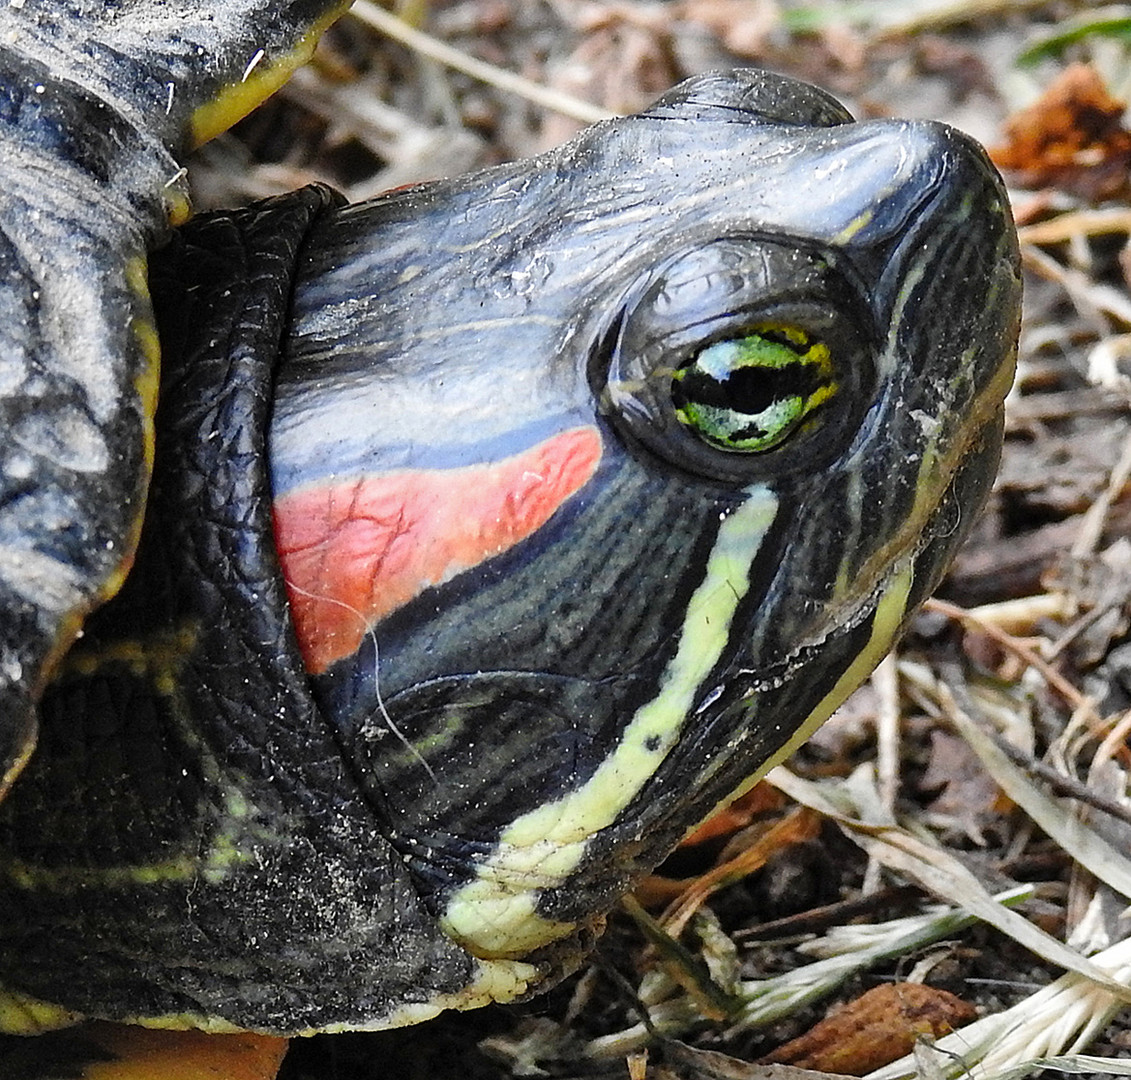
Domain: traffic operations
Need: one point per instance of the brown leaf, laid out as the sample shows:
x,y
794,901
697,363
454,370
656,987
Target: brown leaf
x,y
760,800
1071,138
876,1028
746,853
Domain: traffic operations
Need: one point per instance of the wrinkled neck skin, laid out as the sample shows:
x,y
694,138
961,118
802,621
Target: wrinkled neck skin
x,y
548,632
97,100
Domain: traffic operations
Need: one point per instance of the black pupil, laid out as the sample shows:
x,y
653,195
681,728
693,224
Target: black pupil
x,y
749,389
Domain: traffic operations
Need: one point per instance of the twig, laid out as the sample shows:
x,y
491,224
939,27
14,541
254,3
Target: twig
x,y
1078,223
818,919
1055,680
385,23
958,12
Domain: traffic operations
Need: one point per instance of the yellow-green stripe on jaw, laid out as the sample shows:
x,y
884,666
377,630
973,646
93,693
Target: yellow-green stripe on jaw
x,y
494,915
935,472
891,610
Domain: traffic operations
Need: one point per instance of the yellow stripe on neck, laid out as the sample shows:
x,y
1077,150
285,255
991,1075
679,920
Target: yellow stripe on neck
x,y
494,916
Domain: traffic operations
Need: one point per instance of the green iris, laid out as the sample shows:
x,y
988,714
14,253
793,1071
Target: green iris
x,y
749,394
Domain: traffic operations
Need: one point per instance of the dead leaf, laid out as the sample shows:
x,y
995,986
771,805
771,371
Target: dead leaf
x,y
1072,138
876,1028
760,800
968,800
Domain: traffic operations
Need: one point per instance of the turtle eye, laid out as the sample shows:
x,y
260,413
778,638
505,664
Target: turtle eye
x,y
740,358
748,394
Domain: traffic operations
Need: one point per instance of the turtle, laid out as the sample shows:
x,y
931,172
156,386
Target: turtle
x,y
386,588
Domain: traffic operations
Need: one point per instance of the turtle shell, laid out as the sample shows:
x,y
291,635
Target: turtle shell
x,y
96,101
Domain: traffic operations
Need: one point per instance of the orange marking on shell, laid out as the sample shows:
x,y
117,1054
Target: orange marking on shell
x,y
354,551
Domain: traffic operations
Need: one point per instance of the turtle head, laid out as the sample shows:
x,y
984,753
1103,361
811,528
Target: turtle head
x,y
597,482
596,505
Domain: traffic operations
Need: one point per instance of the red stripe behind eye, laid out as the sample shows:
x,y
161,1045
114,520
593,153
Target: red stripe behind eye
x,y
354,551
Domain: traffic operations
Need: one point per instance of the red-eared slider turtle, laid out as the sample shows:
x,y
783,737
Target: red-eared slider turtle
x,y
498,529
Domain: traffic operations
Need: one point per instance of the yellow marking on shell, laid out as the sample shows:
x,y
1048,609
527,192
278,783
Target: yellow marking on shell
x,y
186,1021
494,915
146,385
69,878
260,79
24,1015
148,381
493,982
157,658
17,764
226,850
